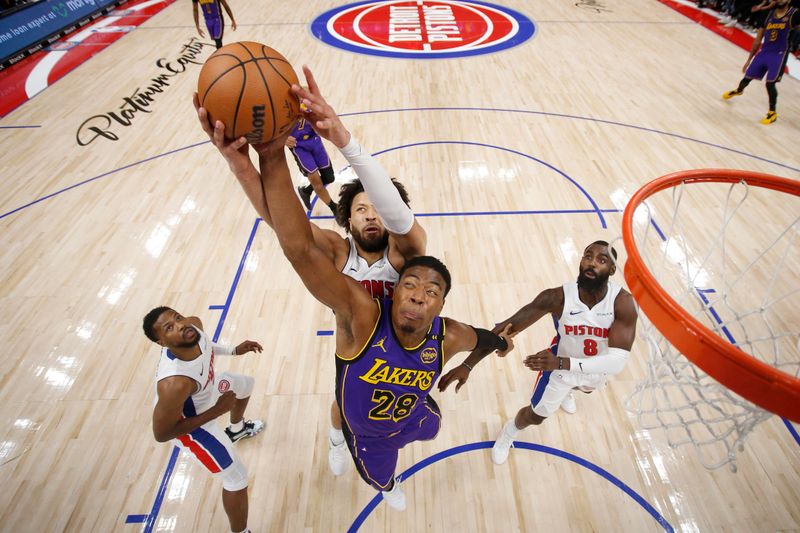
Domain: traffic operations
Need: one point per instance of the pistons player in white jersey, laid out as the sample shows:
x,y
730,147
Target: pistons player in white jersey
x,y
373,209
190,395
596,324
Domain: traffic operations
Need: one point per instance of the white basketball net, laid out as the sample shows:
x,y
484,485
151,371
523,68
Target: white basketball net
x,y
729,254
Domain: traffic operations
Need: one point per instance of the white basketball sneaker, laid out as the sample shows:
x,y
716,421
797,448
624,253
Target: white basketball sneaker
x,y
396,498
502,446
568,405
338,457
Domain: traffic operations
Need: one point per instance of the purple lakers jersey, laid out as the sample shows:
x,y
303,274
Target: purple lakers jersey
x,y
303,132
381,386
776,31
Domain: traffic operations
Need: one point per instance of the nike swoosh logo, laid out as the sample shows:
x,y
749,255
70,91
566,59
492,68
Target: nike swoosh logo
x,y
202,369
580,365
575,312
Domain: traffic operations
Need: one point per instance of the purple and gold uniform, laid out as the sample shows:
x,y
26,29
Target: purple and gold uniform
x,y
382,393
212,13
771,59
309,153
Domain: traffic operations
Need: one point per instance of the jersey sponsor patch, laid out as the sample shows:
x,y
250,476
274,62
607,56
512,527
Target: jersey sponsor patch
x,y
423,29
428,355
224,385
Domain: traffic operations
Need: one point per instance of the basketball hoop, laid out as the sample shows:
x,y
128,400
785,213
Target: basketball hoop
x,y
723,305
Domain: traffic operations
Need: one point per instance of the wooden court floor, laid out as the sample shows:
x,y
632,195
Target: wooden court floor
x,y
514,162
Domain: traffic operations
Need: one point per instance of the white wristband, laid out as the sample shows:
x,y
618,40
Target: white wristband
x,y
223,349
397,217
609,362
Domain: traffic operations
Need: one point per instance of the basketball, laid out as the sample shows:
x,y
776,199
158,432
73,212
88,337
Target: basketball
x,y
247,86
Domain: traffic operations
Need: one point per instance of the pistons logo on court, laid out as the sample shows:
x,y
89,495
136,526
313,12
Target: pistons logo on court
x,y
422,29
428,355
224,385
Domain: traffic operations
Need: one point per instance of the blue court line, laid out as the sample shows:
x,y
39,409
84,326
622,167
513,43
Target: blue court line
x,y
136,518
216,307
575,117
18,127
399,110
497,213
324,332
103,175
236,278
515,152
358,522
162,488
701,294
792,430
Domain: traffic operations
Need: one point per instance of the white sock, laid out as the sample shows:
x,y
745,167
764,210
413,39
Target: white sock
x,y
511,429
245,530
238,426
336,436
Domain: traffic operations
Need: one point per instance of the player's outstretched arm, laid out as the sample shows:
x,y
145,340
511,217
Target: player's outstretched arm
x,y
408,237
168,421
620,340
315,268
236,154
462,338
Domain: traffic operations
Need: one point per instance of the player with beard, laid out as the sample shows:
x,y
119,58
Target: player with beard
x,y
596,324
190,396
373,209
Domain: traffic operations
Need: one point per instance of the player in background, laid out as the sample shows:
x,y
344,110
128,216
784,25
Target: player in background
x,y
313,161
769,57
215,20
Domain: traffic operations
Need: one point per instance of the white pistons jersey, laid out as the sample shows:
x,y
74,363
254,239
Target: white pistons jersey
x,y
583,332
200,370
379,278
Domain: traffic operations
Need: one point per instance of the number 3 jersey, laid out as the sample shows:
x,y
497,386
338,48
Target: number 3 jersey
x,y
583,332
384,383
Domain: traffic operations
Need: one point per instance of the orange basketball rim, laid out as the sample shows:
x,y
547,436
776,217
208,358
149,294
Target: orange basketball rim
x,y
755,380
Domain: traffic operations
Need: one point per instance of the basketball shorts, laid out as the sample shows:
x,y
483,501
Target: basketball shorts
x,y
212,449
310,156
553,386
376,457
215,27
769,63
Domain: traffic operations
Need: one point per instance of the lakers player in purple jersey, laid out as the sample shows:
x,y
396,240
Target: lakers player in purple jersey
x,y
374,211
770,59
313,161
389,352
215,21
595,322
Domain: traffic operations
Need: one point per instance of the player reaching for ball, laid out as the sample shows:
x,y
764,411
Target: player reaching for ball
x,y
373,209
389,350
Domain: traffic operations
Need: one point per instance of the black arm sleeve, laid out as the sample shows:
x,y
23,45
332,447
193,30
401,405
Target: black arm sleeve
x,y
489,341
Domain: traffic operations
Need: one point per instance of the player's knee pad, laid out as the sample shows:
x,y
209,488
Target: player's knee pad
x,y
240,384
326,174
234,478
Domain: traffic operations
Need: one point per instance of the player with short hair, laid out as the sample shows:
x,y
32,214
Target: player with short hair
x,y
389,352
770,59
373,209
190,395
